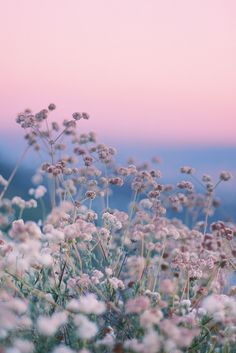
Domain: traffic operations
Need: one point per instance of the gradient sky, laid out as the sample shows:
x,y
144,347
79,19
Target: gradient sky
x,y
154,71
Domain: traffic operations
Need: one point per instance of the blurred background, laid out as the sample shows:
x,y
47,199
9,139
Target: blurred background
x,y
157,77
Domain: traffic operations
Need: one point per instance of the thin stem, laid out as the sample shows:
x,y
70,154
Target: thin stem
x,y
122,264
198,181
43,208
21,213
60,135
78,256
14,172
207,212
159,265
107,188
60,280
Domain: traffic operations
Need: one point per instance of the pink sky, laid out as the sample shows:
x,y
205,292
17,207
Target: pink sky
x,y
156,71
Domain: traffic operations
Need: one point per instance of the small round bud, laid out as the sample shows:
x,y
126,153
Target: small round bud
x,y
77,116
85,116
225,176
51,106
90,194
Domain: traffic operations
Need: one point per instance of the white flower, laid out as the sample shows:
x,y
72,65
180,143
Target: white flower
x,y
89,304
108,341
39,192
86,328
150,317
186,303
24,346
18,305
18,201
146,203
48,326
96,276
151,342
108,271
220,306
63,349
116,283
111,221
31,203
45,260
73,306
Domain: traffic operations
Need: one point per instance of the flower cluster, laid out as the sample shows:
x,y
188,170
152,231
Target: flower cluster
x,y
89,277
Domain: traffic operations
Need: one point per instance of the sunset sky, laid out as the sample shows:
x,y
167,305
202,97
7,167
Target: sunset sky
x,y
153,71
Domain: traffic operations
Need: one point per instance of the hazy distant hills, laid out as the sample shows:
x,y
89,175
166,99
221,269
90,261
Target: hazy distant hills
x,y
120,199
205,159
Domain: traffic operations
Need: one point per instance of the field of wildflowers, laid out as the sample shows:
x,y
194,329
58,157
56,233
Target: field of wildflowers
x,y
90,278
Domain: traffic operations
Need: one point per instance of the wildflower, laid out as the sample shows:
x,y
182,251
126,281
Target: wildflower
x,y
108,271
116,283
96,276
39,192
48,326
137,305
42,115
153,295
185,304
116,181
31,204
107,341
18,201
187,170
85,116
225,176
63,349
51,106
185,185
22,231
167,286
18,305
73,306
151,342
24,346
53,235
146,203
77,116
156,173
90,194
55,126
206,178
86,328
111,221
89,304
88,161
150,317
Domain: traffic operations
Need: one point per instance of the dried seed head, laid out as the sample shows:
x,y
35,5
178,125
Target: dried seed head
x,y
187,170
85,116
77,116
90,194
116,181
51,106
225,176
55,126
88,161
